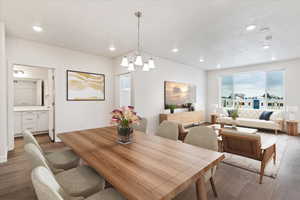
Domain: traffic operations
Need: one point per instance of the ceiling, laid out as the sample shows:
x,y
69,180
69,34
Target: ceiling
x,y
212,29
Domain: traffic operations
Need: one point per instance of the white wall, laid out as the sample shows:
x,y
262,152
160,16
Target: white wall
x,y
69,115
148,91
292,81
3,96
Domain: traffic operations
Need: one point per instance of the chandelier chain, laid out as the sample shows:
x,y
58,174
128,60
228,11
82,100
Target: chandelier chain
x,y
138,15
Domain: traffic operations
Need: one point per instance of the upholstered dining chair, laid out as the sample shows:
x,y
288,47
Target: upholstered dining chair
x,y
168,129
47,188
79,181
65,159
141,126
204,137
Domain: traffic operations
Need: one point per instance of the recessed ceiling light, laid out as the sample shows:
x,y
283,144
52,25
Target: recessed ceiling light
x,y
218,66
266,46
112,48
251,27
175,50
37,28
201,60
273,58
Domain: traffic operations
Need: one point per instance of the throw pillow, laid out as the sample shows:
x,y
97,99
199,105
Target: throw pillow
x,y
265,115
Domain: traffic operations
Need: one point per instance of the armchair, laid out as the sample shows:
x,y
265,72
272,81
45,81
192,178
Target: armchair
x,y
251,146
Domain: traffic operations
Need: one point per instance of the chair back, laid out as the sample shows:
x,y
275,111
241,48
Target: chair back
x,y
141,126
35,156
168,129
45,185
244,144
203,137
29,138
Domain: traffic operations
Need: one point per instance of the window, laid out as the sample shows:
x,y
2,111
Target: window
x,y
125,90
257,90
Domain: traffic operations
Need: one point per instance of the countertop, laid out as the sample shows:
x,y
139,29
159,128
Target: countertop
x,y
30,108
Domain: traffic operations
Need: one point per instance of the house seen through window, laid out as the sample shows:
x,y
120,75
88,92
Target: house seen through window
x,y
253,90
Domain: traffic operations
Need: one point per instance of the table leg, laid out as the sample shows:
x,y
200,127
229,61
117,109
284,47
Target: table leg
x,y
201,189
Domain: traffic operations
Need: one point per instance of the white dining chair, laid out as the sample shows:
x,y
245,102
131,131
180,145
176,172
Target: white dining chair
x,y
79,181
65,159
168,129
47,188
141,126
204,137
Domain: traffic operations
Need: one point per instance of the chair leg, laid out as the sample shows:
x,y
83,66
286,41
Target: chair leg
x,y
262,172
274,156
276,131
212,183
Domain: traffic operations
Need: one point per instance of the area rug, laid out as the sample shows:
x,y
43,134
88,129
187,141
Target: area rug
x,y
271,170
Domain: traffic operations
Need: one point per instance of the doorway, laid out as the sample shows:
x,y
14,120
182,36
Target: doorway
x,y
32,102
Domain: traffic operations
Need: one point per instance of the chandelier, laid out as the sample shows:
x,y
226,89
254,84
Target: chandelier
x,y
137,60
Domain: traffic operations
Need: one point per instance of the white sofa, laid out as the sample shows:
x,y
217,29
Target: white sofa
x,y
250,118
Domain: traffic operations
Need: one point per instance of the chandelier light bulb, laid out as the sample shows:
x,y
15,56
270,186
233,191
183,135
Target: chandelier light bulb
x,y
151,63
125,62
131,66
146,67
138,60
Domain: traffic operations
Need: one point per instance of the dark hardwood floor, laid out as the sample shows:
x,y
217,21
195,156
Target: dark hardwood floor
x,y
232,183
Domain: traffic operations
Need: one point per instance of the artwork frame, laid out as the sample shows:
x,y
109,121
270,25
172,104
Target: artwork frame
x,y
192,94
70,96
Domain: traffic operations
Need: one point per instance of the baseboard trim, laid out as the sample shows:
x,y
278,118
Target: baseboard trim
x,y
3,159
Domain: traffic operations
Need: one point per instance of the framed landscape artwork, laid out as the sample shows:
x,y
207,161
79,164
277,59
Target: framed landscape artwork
x,y
85,86
179,94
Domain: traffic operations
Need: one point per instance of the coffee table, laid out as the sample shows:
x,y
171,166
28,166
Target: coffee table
x,y
218,128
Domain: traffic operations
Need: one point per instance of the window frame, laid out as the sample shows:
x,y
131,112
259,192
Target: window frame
x,y
123,90
283,70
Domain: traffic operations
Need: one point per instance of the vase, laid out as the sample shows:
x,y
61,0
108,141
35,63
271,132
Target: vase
x,y
124,135
234,123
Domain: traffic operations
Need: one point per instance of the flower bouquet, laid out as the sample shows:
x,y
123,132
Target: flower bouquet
x,y
124,118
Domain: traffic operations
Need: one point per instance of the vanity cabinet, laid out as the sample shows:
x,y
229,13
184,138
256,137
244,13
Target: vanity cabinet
x,y
34,121
42,121
18,122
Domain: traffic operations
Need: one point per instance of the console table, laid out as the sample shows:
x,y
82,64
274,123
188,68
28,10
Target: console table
x,y
185,118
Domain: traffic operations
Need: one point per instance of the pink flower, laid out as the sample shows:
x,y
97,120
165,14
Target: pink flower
x,y
116,111
131,107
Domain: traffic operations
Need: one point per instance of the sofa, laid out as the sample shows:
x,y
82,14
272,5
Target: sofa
x,y
250,118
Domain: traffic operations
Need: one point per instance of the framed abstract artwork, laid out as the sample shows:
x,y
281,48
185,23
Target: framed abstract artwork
x,y
85,86
179,94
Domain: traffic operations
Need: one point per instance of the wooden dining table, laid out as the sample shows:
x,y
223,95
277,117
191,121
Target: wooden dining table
x,y
150,168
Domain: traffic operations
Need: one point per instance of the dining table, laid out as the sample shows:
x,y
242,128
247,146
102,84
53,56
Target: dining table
x,y
149,168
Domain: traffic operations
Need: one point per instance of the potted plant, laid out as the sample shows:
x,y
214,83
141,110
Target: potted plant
x,y
124,118
172,108
234,115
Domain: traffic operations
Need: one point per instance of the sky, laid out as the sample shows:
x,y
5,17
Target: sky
x,y
254,83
